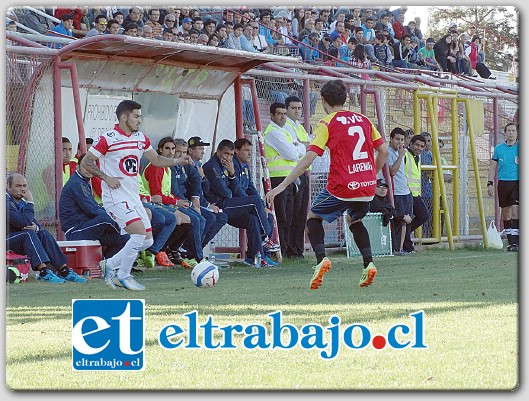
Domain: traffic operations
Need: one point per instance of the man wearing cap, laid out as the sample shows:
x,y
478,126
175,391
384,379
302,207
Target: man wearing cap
x,y
187,25
63,29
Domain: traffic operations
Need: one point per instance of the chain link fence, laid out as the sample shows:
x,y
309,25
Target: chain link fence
x,y
30,142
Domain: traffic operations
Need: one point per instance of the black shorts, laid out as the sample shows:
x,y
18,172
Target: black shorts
x,y
508,193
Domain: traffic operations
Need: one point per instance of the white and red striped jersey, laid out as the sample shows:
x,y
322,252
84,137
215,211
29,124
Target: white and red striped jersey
x,y
119,156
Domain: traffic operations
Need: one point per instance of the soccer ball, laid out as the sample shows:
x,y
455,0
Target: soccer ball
x,y
205,275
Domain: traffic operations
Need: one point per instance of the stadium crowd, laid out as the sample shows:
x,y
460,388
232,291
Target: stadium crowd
x,y
341,36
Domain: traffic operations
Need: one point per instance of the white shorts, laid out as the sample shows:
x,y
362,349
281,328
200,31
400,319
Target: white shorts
x,y
125,213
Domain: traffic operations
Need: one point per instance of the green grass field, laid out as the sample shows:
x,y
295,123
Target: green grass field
x,y
469,297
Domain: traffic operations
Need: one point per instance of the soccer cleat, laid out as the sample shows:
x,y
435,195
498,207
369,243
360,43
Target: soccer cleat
x,y
270,245
270,261
148,259
189,263
73,276
129,283
108,274
368,275
319,271
512,248
50,277
163,260
250,262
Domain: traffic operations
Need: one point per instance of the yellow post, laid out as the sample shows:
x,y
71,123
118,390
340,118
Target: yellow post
x,y
439,171
476,178
455,161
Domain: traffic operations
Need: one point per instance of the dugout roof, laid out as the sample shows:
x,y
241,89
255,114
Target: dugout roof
x,y
124,63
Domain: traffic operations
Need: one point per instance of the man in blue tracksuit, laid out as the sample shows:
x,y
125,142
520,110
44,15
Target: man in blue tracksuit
x,y
243,155
244,211
186,182
83,219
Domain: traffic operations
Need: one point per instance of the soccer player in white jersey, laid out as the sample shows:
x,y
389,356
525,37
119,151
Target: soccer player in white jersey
x,y
119,152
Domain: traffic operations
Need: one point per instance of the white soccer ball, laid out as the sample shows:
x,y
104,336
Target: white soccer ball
x,y
205,274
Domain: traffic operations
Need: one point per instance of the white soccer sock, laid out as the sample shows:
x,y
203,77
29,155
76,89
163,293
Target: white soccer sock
x,y
130,253
147,244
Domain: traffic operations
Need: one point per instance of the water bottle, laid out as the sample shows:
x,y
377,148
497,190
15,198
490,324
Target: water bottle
x,y
212,252
257,260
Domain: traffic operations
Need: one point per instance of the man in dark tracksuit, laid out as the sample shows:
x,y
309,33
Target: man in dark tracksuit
x,y
187,183
243,211
24,235
83,219
243,152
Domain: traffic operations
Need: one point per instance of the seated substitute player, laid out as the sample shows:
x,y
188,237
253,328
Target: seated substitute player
x,y
352,140
83,219
243,155
119,152
243,211
24,235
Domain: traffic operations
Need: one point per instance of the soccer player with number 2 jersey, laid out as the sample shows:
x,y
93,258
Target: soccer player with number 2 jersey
x,y
352,140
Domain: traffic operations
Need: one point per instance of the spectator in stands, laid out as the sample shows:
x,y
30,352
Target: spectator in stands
x,y
339,31
318,27
283,150
154,23
169,21
187,25
398,27
346,51
443,55
399,11
131,29
412,30
369,37
33,20
209,27
134,17
24,235
222,31
193,37
167,36
241,161
83,219
307,29
402,196
198,24
383,51
214,40
202,39
113,27
147,33
298,21
324,46
401,52
118,16
63,29
77,15
384,25
281,21
184,13
325,16
427,55
246,39
472,51
244,211
307,54
234,39
339,17
100,26
354,19
259,41
367,13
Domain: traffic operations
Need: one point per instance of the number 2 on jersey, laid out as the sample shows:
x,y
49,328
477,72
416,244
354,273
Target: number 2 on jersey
x,y
357,152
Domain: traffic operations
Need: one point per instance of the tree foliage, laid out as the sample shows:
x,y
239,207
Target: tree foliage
x,y
497,26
